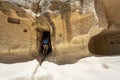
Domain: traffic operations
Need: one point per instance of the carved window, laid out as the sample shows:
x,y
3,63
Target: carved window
x,y
13,20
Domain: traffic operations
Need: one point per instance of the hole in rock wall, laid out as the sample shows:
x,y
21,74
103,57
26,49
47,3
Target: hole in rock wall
x,y
13,20
25,30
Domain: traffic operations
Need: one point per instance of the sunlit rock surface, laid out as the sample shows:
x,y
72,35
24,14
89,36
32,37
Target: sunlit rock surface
x,y
74,26
17,34
112,11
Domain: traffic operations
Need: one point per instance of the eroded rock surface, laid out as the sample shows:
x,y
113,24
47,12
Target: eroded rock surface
x,y
72,24
17,35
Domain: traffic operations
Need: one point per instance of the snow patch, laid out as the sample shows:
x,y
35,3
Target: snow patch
x,y
17,71
91,68
31,12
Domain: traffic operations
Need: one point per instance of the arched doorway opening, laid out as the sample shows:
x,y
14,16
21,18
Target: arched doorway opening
x,y
46,34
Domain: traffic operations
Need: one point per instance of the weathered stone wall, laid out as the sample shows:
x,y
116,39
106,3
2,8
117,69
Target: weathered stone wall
x,y
107,42
112,11
17,35
76,27
100,10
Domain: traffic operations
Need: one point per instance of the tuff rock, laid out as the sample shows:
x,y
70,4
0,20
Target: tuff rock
x,y
78,28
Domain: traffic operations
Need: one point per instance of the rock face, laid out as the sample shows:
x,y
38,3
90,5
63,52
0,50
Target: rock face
x,y
72,24
76,29
107,42
17,35
112,11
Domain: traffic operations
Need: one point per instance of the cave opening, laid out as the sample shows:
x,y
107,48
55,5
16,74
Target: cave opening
x,y
46,34
105,43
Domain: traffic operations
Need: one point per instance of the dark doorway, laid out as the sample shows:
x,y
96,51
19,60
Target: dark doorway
x,y
46,34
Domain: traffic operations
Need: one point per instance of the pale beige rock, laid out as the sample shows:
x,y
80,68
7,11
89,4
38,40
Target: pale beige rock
x,y
73,31
100,10
77,29
112,10
107,42
17,35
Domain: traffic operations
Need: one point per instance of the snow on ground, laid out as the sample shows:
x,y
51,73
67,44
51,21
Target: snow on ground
x,y
18,71
91,68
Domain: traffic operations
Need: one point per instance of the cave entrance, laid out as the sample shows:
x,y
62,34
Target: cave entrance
x,y
105,43
46,34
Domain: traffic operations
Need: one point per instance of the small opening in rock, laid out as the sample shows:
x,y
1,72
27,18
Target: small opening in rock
x,y
111,42
13,20
25,30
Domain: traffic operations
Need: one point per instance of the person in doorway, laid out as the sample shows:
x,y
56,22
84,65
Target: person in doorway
x,y
46,45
